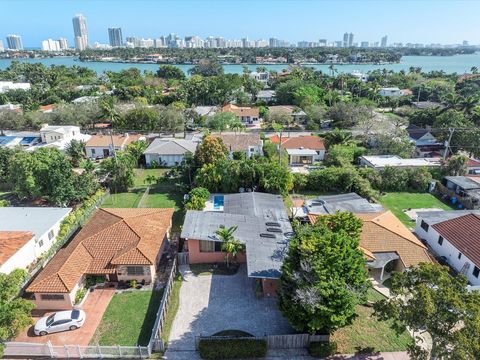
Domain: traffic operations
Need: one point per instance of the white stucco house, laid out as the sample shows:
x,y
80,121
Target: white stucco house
x,y
10,85
390,92
26,233
454,235
168,151
59,136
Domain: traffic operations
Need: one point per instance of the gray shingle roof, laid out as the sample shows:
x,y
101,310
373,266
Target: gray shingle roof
x,y
38,220
171,147
250,212
330,204
436,217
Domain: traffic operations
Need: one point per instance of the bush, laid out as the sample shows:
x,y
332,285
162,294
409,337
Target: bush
x,y
92,280
232,348
322,349
80,295
197,198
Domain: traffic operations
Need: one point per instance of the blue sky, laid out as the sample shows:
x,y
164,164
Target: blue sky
x,y
443,21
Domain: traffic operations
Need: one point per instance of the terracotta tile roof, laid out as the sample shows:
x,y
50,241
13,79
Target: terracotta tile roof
x,y
241,110
106,140
239,142
383,232
464,233
307,142
11,242
473,163
111,237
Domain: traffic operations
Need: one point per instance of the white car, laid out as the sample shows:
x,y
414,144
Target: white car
x,y
60,321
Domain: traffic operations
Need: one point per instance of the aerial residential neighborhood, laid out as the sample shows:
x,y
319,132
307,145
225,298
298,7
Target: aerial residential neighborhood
x,y
298,185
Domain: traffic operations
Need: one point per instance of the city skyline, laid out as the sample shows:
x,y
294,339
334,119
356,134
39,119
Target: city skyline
x,y
210,19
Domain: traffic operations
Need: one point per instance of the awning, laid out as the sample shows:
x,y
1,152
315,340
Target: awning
x,y
382,259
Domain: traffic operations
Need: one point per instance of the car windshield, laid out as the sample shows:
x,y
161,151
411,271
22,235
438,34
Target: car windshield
x,y
75,314
50,319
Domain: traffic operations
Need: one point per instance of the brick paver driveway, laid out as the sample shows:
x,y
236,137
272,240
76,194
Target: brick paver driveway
x,y
94,307
209,304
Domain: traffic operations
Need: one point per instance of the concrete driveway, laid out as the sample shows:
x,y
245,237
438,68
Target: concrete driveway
x,y
209,304
94,307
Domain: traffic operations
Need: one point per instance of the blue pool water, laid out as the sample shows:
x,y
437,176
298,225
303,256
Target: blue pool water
x,y
217,202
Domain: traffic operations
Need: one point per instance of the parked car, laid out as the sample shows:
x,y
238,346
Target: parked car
x,y
60,321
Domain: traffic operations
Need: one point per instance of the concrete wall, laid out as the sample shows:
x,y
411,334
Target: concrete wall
x,y
447,250
195,256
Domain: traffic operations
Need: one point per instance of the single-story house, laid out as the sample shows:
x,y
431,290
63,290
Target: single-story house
x,y
426,145
26,233
169,152
462,185
380,162
100,146
330,204
85,99
422,105
302,150
473,166
205,111
394,92
297,114
266,96
456,236
121,244
250,116
250,143
263,226
387,244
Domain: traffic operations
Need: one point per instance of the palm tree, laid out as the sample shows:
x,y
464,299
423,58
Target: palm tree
x,y
230,245
76,151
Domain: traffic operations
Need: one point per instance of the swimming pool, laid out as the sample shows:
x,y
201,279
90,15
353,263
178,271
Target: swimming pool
x,y
218,202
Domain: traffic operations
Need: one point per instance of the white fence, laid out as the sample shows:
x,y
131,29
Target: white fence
x,y
156,342
27,350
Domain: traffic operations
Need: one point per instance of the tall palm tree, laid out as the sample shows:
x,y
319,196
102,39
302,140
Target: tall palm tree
x,y
230,245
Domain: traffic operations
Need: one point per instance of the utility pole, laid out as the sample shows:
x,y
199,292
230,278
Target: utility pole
x,y
447,144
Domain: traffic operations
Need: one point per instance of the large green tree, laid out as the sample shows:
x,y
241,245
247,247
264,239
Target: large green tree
x,y
324,275
210,150
15,312
428,299
207,67
119,170
170,72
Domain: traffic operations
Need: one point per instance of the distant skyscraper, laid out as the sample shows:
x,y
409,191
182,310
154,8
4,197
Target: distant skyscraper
x,y
63,43
345,40
2,49
80,32
383,42
322,42
50,45
350,40
115,37
14,42
364,44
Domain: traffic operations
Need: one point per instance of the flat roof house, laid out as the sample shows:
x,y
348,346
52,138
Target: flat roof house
x,y
263,226
26,233
386,241
456,236
302,150
121,244
100,146
169,152
249,143
380,162
60,136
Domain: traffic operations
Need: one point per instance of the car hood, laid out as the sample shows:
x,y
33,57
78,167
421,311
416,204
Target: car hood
x,y
41,324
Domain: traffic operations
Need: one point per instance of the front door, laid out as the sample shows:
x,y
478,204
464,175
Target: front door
x,y
113,277
106,153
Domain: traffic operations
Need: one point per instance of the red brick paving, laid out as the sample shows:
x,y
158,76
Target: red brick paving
x,y
94,307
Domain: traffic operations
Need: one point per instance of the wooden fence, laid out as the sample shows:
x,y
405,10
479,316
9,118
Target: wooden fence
x,y
291,341
156,342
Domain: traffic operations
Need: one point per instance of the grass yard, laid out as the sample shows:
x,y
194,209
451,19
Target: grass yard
x,y
142,174
399,201
129,319
367,334
124,200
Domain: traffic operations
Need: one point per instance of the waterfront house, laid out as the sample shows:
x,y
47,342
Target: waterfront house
x,y
118,244
26,233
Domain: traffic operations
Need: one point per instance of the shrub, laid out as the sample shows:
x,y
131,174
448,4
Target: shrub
x,y
92,280
4,203
80,295
322,349
197,198
132,283
232,348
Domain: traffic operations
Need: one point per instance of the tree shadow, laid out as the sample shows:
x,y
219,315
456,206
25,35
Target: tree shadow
x,y
150,316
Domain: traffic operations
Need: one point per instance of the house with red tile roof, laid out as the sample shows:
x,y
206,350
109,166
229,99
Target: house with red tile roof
x,y
250,116
302,150
454,235
473,166
118,244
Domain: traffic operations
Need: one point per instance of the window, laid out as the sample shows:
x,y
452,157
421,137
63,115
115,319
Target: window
x,y
50,235
476,271
424,226
93,151
459,255
210,246
61,322
52,297
440,240
40,243
135,270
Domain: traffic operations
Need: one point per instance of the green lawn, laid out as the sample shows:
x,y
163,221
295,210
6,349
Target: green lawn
x,y
367,334
124,200
129,319
399,201
141,175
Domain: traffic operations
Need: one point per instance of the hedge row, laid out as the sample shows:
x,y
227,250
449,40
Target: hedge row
x,y
214,349
322,349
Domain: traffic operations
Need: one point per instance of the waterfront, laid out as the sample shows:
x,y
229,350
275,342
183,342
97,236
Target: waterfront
x,y
450,64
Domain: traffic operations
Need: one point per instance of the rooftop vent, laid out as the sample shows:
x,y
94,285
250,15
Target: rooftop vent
x,y
274,230
272,224
270,236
